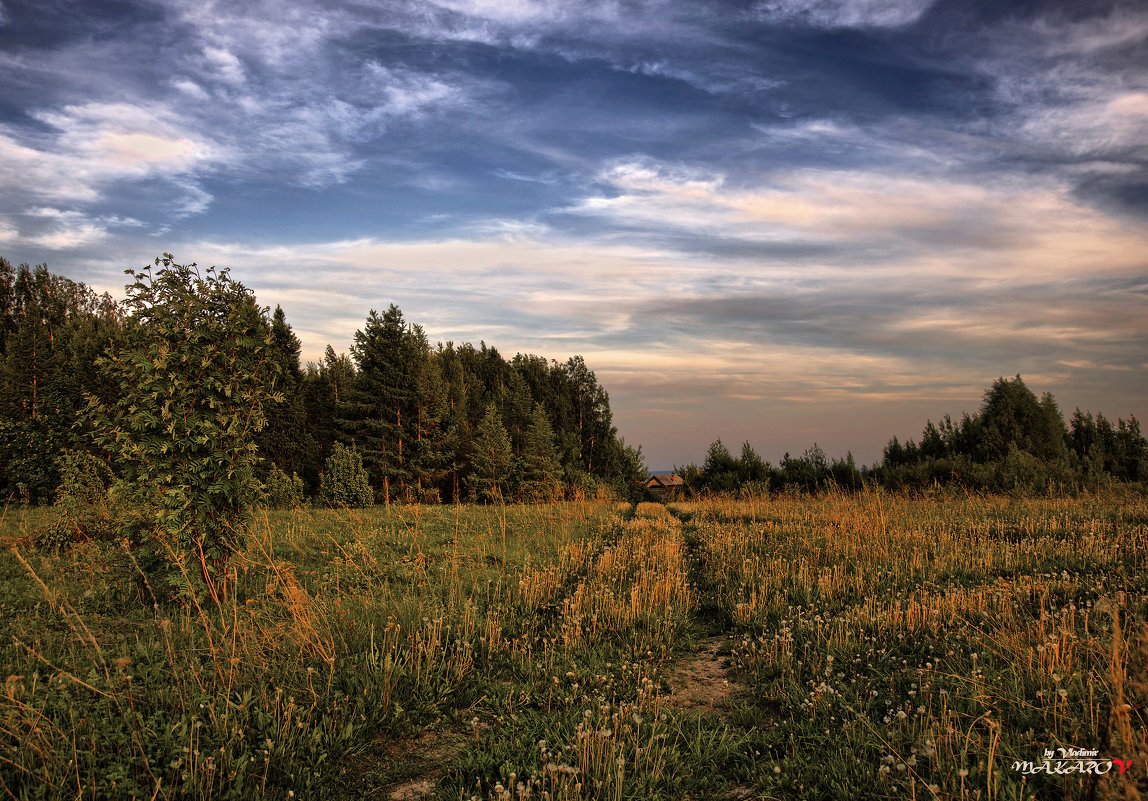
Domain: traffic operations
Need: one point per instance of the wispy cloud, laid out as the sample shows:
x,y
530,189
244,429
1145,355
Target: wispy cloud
x,y
844,13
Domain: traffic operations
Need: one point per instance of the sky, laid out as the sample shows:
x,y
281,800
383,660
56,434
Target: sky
x,y
786,221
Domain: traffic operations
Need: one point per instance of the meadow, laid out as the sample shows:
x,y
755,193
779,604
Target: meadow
x,y
872,645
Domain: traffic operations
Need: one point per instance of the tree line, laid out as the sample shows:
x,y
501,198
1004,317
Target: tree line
x,y
1014,442
396,420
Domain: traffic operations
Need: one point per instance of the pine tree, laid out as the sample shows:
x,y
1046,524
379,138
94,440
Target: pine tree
x,y
490,460
541,470
378,412
287,442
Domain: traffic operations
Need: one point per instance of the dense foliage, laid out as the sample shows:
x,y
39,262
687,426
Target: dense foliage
x,y
126,383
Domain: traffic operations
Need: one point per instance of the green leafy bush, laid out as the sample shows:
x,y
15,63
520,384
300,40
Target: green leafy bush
x,y
187,385
282,491
81,511
344,481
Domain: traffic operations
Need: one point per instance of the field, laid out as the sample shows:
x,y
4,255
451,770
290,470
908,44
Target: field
x,y
864,646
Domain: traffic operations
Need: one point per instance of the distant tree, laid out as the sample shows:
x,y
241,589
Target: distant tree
x,y
809,471
1130,462
751,468
458,422
632,472
381,407
491,459
719,465
894,453
845,474
7,303
1011,415
51,330
282,491
516,409
435,434
541,470
588,412
286,441
932,442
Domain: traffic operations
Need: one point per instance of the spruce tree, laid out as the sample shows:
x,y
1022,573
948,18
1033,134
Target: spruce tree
x,y
541,470
379,410
435,436
286,442
490,460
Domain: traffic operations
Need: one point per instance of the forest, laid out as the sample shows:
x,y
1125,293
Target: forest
x,y
1015,442
401,420
396,420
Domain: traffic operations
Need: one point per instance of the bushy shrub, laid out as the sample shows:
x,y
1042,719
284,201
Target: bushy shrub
x,y
580,484
344,481
282,491
186,388
83,478
82,510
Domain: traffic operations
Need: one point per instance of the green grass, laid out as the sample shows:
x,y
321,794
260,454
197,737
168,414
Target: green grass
x,y
525,652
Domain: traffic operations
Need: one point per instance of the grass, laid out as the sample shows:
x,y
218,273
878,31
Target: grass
x,y
876,645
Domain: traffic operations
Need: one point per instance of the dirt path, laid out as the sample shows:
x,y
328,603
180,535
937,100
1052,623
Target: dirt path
x,y
408,768
701,681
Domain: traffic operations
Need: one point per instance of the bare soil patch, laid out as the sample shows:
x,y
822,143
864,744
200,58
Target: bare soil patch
x,y
405,769
701,680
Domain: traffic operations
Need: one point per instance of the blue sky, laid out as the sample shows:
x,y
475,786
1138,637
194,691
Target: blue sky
x,y
786,221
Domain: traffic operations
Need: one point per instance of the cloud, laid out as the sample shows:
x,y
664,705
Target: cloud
x,y
1069,97
190,88
224,65
1092,33
244,106
93,146
844,13
980,228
